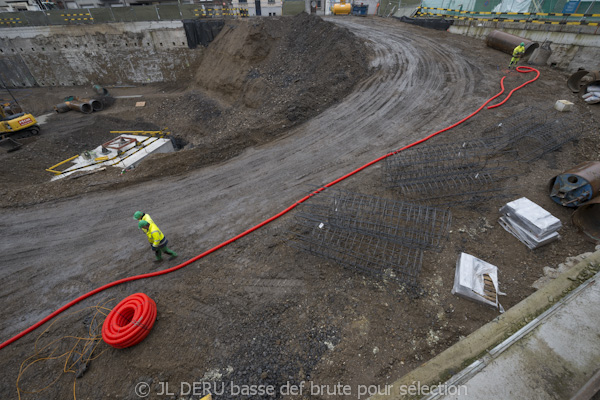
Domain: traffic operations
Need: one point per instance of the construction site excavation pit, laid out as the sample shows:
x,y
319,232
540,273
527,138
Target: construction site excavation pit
x,y
275,109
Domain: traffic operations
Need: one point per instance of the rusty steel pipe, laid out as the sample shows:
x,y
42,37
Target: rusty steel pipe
x,y
587,219
81,106
577,185
62,108
506,42
96,105
574,82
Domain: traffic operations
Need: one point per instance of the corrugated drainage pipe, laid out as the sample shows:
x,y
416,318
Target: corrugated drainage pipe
x,y
78,105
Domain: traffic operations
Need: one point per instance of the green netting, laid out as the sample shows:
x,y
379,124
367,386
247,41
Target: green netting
x,y
70,17
189,11
178,11
535,6
129,14
102,15
293,7
507,8
168,12
23,18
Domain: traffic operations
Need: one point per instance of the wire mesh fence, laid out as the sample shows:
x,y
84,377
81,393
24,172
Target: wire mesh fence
x,y
161,12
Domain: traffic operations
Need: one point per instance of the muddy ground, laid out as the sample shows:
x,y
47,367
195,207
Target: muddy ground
x,y
279,107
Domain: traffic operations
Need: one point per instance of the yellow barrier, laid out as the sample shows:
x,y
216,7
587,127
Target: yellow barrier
x,y
51,169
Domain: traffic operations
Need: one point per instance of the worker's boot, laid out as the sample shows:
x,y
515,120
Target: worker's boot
x,y
158,255
170,252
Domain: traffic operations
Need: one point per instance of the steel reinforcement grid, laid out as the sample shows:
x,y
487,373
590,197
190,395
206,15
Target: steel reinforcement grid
x,y
461,172
380,237
535,133
473,171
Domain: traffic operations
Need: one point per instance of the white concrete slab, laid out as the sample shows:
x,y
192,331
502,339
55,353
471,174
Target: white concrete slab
x,y
550,358
135,148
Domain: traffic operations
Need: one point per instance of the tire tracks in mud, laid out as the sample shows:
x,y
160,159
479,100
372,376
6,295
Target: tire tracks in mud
x,y
419,83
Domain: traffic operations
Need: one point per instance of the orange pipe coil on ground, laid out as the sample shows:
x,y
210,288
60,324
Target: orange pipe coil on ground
x,y
130,321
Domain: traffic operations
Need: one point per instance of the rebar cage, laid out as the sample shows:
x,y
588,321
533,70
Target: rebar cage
x,y
473,171
381,237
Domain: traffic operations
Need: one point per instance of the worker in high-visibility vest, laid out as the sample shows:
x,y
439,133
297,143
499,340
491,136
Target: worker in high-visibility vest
x,y
158,241
517,54
140,216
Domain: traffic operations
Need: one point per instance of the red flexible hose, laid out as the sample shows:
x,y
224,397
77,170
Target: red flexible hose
x,y
130,321
523,70
265,222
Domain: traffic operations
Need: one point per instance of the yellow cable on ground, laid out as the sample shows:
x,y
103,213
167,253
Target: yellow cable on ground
x,y
76,353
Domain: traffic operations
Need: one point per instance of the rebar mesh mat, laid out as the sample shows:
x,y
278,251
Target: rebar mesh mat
x,y
414,225
534,132
473,171
377,236
463,172
364,253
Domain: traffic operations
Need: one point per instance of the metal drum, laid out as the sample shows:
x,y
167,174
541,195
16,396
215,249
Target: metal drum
x,y
577,185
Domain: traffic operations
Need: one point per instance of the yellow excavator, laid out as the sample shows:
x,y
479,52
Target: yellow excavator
x,y
16,124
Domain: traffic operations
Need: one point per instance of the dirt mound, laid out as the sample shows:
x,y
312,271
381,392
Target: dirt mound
x,y
267,75
256,80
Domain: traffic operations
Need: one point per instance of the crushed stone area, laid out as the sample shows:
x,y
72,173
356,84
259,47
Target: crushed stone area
x,y
279,107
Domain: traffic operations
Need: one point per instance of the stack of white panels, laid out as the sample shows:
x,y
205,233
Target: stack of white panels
x,y
529,223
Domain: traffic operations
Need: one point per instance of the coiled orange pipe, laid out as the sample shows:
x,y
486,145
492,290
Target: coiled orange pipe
x,y
186,263
130,321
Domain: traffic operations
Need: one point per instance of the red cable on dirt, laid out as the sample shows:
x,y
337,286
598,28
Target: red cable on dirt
x,y
523,70
130,321
265,222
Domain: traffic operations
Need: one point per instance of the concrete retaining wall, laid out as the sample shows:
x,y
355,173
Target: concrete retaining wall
x,y
150,52
573,46
106,54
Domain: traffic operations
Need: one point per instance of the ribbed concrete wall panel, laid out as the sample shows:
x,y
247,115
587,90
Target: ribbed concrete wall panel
x,y
14,72
116,53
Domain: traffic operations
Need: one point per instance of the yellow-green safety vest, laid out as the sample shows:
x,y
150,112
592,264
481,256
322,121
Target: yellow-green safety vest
x,y
155,236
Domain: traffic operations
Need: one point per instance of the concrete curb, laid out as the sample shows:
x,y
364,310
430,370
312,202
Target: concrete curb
x,y
460,355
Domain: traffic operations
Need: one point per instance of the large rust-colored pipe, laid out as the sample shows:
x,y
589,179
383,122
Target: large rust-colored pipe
x,y
574,81
78,105
587,219
506,42
96,105
62,107
577,185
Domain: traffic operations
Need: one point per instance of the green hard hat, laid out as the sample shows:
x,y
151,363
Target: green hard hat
x,y
143,224
522,44
137,215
